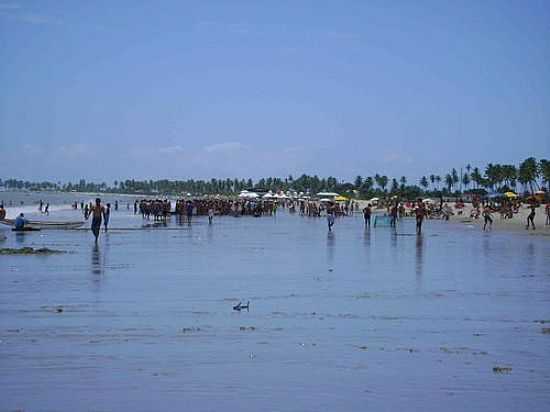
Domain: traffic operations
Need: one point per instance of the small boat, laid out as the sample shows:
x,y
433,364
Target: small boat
x,y
26,229
33,224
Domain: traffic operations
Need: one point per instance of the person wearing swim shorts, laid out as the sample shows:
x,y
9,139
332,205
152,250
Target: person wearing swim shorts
x,y
97,212
487,218
107,216
531,218
419,212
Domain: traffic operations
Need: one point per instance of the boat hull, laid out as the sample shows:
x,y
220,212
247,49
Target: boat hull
x,y
45,225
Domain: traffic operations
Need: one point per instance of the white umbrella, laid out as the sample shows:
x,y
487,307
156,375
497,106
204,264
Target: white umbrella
x,y
326,200
268,196
248,195
327,194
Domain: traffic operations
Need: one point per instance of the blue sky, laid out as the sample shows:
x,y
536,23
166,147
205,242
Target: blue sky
x,y
106,90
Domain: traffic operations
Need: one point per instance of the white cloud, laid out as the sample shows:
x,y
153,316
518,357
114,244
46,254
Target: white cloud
x,y
35,18
31,149
74,150
16,12
394,157
225,147
9,6
171,149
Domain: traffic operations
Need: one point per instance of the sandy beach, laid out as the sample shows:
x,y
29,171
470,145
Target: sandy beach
x,y
516,224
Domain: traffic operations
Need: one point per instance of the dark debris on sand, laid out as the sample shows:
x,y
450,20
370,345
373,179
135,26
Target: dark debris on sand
x,y
30,251
502,369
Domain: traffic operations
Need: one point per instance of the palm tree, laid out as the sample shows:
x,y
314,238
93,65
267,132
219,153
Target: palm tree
x,y
383,182
378,180
544,171
466,180
528,173
432,179
403,181
438,180
424,181
476,177
449,181
454,175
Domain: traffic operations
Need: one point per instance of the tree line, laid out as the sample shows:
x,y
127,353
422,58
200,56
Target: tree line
x,y
529,176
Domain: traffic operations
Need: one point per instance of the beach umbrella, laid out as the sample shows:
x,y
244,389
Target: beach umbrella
x,y
327,194
341,198
326,200
510,195
268,196
540,192
248,195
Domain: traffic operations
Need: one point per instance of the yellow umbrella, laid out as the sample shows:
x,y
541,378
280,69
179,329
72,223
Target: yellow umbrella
x,y
511,195
341,198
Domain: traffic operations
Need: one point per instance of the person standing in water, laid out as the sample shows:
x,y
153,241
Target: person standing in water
x,y
97,212
330,219
106,216
47,209
393,216
366,214
210,214
547,209
487,218
189,209
420,212
531,217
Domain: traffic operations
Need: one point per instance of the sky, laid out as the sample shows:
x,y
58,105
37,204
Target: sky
x,y
108,90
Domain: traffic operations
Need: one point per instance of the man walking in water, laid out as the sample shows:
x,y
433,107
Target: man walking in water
x,y
487,218
330,219
420,213
531,217
189,209
106,216
97,212
366,214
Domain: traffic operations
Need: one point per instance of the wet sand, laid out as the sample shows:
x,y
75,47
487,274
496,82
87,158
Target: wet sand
x,y
344,321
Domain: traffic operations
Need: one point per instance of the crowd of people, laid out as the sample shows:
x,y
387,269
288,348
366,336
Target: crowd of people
x,y
389,210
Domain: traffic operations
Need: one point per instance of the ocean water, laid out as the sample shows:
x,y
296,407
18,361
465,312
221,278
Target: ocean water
x,y
348,320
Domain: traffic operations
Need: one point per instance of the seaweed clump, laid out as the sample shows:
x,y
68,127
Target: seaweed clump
x,y
30,251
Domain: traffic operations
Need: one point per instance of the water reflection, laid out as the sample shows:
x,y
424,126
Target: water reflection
x,y
393,239
330,247
366,237
486,246
97,266
530,261
20,237
209,233
419,258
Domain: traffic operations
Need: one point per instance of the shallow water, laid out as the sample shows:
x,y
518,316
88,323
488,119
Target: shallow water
x,y
342,321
